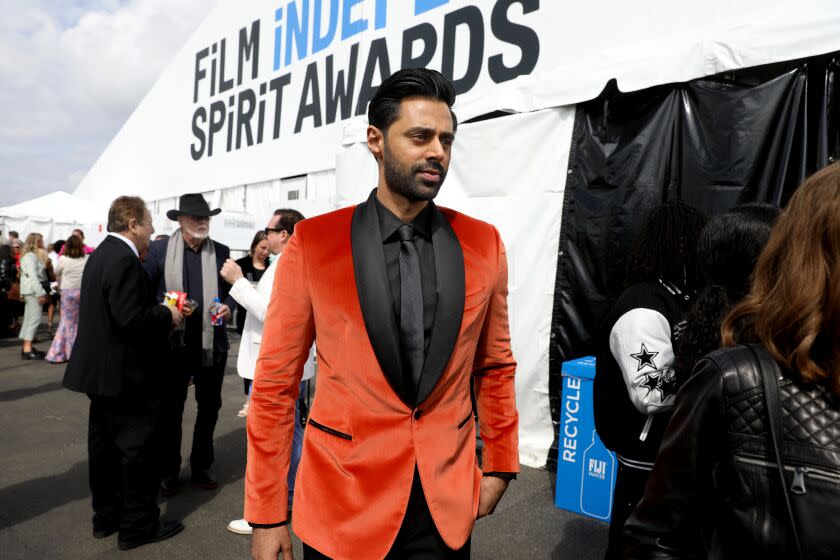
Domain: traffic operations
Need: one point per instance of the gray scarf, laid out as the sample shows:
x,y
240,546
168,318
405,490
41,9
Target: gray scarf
x,y
173,275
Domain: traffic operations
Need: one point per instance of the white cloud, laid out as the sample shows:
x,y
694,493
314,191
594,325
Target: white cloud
x,y
71,73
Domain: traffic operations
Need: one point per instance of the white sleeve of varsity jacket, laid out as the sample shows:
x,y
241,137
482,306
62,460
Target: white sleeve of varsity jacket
x,y
640,342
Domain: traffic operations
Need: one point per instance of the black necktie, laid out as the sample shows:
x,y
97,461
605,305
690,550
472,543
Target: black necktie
x,y
411,305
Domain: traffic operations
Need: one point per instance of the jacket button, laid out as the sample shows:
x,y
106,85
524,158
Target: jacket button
x,y
417,414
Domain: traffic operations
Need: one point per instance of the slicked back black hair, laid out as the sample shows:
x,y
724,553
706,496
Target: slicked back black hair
x,y
384,108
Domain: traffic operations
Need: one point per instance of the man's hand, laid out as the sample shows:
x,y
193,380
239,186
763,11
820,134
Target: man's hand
x,y
224,312
492,489
176,316
231,271
267,544
42,300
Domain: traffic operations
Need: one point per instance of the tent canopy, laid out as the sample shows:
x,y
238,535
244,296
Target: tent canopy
x,y
59,207
55,215
285,113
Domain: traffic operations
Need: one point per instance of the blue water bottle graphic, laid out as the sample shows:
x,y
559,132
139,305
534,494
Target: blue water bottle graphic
x,y
596,484
215,316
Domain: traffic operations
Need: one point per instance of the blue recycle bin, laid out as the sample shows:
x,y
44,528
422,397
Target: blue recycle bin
x,y
586,469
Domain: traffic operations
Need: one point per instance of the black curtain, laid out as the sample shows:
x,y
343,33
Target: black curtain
x,y
746,136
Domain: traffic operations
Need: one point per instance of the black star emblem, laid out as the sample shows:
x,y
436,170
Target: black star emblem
x,y
645,358
667,384
651,381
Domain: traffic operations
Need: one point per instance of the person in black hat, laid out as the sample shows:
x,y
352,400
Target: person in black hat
x,y
189,261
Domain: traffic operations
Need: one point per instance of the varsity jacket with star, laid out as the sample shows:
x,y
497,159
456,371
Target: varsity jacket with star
x,y
635,385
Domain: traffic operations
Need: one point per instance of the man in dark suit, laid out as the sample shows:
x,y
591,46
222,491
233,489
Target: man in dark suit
x,y
407,302
122,333
189,261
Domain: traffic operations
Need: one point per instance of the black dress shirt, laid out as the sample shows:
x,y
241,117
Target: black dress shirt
x,y
194,288
422,224
193,285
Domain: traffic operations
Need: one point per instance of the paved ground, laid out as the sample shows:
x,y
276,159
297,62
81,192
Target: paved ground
x,y
45,504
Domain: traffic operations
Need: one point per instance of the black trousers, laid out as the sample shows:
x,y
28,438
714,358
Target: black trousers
x,y
418,537
208,398
629,489
122,453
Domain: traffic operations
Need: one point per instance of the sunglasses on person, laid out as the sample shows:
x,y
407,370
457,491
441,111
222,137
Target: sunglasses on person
x,y
274,229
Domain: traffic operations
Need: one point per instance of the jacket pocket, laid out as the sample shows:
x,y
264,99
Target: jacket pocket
x,y
799,473
329,430
465,420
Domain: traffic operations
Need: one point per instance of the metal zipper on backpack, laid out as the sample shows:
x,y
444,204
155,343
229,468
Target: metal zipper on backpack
x,y
799,473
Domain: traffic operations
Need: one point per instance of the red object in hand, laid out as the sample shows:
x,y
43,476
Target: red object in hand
x,y
175,299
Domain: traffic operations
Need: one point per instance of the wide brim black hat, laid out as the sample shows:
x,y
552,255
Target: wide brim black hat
x,y
192,204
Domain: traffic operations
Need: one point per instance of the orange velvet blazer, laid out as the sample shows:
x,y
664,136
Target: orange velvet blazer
x,y
364,437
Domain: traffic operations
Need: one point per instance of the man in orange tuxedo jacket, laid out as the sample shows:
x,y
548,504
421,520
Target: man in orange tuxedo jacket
x,y
406,302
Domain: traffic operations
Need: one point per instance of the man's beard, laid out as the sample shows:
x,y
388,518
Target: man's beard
x,y
196,234
406,181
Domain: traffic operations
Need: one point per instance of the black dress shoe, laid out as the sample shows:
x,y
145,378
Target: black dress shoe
x,y
104,532
169,486
165,530
32,355
203,479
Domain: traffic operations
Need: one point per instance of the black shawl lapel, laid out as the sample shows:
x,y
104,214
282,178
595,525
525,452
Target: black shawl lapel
x,y
449,264
375,293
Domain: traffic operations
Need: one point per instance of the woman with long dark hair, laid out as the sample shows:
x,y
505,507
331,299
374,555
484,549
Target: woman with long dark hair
x,y
728,249
750,463
253,266
69,271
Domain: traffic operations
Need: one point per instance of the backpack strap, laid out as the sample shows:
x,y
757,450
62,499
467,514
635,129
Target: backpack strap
x,y
770,374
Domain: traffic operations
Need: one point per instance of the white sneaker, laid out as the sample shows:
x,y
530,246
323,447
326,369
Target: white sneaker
x,y
239,526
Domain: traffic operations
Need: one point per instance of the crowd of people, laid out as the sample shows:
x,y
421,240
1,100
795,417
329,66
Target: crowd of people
x,y
137,353
718,379
717,384
35,278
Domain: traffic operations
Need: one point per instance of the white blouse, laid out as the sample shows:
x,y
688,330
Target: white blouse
x,y
69,272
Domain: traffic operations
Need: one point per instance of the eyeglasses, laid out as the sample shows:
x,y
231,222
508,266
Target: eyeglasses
x,y
274,229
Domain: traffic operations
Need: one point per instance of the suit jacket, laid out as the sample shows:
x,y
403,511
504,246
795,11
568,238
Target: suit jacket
x,y
154,265
364,435
255,302
122,329
32,274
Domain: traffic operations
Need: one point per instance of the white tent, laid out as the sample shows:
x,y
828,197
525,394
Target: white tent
x,y
54,216
251,78
265,108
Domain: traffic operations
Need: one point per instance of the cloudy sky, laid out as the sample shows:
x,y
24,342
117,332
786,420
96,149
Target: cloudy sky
x,y
71,73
